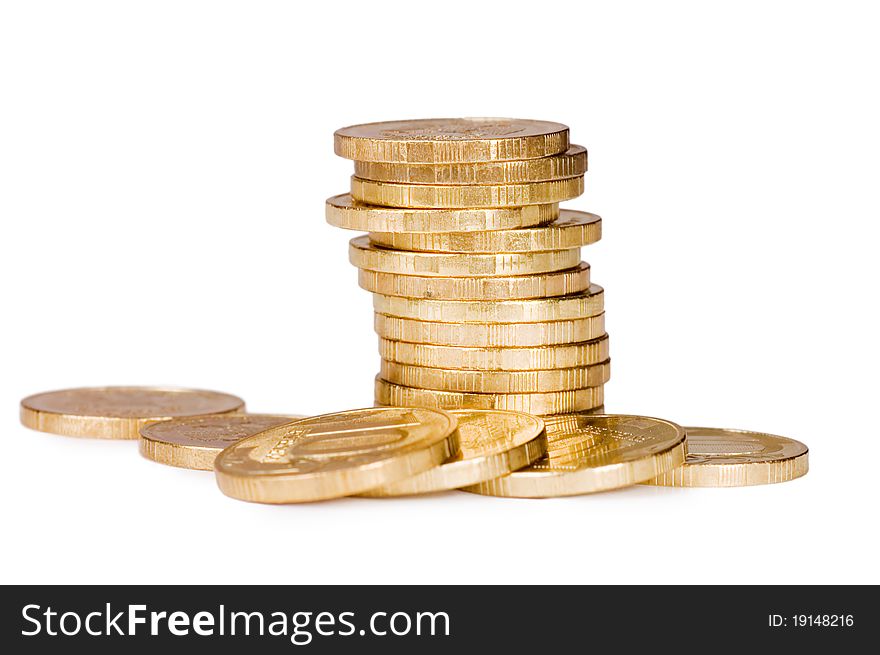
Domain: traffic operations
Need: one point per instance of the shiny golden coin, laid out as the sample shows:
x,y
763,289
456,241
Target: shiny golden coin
x,y
533,310
336,455
736,458
496,359
492,443
571,163
490,335
630,449
194,442
423,196
450,140
348,214
118,412
572,229
539,285
450,379
552,402
363,254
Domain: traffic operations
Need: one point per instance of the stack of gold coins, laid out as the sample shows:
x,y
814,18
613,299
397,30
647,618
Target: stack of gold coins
x,y
480,295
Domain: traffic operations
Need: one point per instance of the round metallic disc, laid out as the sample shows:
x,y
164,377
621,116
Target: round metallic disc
x,y
194,442
720,457
450,140
629,450
539,404
118,412
571,163
336,455
431,196
492,443
572,229
342,211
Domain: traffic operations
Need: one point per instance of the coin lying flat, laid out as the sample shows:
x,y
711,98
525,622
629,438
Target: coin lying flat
x,y
538,285
571,163
431,196
363,254
496,359
629,450
194,442
336,455
450,140
736,458
533,310
572,229
118,412
490,335
342,211
539,404
450,379
492,443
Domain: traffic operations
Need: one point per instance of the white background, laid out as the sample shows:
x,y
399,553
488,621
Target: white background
x,y
163,169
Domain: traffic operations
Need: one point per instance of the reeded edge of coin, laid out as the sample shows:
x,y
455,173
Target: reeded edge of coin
x,y
193,456
464,471
788,462
91,426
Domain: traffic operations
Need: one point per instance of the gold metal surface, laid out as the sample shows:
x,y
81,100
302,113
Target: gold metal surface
x,y
348,214
449,379
450,140
490,335
363,254
440,196
118,412
736,458
630,449
194,442
498,358
538,285
577,306
571,163
552,402
492,443
572,229
336,455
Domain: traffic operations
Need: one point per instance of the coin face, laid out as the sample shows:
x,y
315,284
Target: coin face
x,y
449,140
492,443
336,455
627,450
736,458
118,412
194,442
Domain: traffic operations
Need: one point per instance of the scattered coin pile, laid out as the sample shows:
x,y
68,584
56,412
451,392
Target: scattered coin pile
x,y
480,295
400,451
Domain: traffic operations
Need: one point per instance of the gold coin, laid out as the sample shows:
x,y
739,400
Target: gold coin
x,y
348,214
572,229
630,449
450,140
423,196
496,359
736,458
118,412
194,442
551,402
363,254
538,285
336,455
532,310
571,163
492,443
490,335
450,379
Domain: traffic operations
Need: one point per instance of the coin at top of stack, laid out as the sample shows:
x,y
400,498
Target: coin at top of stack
x,y
481,298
